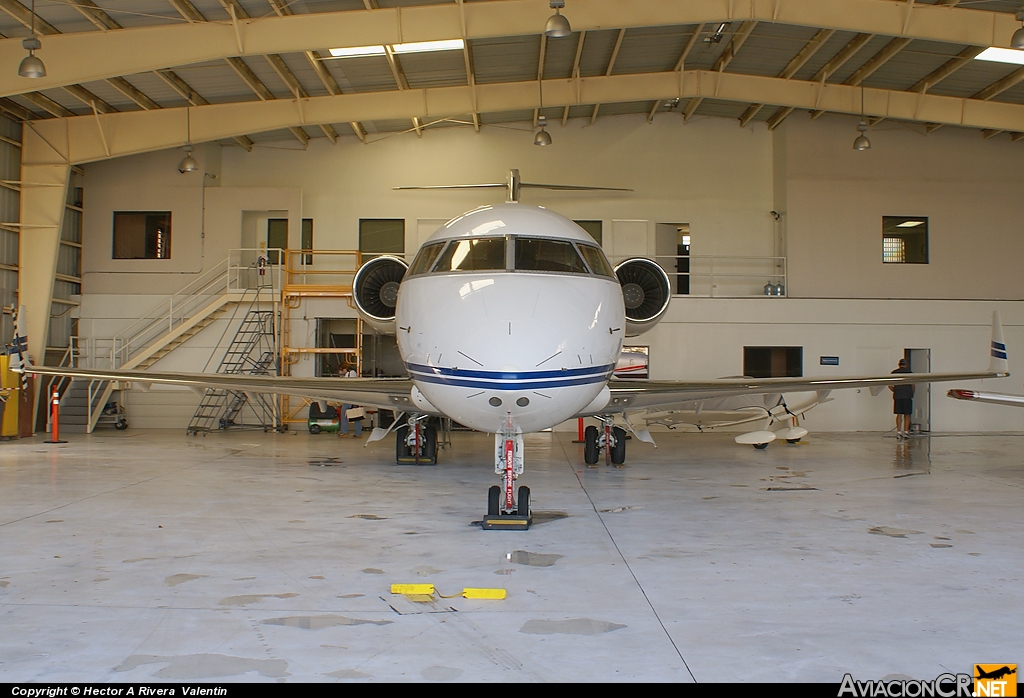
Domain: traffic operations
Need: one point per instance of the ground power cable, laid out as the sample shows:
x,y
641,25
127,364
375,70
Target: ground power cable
x,y
626,562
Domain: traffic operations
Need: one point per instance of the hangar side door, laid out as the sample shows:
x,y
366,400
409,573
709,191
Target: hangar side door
x,y
920,361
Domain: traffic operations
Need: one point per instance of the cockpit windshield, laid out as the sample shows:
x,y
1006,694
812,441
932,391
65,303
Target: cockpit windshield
x,y
596,260
426,258
481,254
538,254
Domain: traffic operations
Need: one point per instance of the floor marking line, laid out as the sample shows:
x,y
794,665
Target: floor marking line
x,y
626,562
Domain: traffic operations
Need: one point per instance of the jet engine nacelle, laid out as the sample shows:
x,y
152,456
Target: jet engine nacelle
x,y
375,290
646,291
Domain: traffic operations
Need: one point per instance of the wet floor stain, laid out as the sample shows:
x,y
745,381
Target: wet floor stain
x,y
524,557
940,545
791,489
573,626
243,579
176,579
98,579
350,596
368,517
441,673
296,521
55,521
324,462
541,517
964,530
617,510
892,532
318,576
246,599
139,559
349,674
4,583
320,622
203,666
372,570
426,571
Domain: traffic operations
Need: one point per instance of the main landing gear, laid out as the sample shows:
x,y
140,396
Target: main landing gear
x,y
610,439
504,511
416,442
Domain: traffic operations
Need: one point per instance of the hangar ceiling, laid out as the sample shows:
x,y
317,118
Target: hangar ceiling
x,y
121,71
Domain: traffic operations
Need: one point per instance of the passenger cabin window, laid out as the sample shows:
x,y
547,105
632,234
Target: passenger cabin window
x,y
596,260
426,258
483,254
548,255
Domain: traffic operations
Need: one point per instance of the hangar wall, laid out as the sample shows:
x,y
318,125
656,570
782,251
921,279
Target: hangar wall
x,y
721,180
833,199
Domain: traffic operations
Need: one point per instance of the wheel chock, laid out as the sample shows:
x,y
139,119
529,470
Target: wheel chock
x,y
420,590
506,522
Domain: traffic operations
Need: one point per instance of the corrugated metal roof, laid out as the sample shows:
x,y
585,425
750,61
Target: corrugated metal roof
x,y
507,59
597,51
973,78
559,56
652,49
365,74
434,69
823,55
865,54
770,48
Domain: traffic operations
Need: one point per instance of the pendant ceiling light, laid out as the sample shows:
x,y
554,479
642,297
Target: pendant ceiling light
x,y
542,137
188,163
861,142
31,66
1017,40
557,26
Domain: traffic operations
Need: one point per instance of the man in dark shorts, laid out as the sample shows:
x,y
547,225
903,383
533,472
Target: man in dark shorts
x,y
902,402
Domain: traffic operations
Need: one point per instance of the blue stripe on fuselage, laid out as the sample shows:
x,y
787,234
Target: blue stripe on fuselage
x,y
509,385
591,371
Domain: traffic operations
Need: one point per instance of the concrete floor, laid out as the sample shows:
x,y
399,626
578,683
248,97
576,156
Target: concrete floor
x,y
147,556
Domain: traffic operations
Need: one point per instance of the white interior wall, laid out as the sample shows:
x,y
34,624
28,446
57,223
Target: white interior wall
x,y
834,197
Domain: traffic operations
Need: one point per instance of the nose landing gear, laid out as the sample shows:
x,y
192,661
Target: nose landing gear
x,y
504,511
610,439
416,442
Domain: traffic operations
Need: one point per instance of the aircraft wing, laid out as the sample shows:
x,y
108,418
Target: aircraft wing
x,y
389,393
644,394
992,398
630,395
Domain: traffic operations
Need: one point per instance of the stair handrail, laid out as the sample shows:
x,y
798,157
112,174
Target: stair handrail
x,y
169,313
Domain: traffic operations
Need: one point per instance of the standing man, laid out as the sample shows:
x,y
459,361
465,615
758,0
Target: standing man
x,y
902,402
348,371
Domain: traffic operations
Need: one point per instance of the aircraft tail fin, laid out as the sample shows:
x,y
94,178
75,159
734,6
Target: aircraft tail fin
x,y
18,348
998,362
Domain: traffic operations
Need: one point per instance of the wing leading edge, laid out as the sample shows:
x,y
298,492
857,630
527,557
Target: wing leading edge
x,y
389,393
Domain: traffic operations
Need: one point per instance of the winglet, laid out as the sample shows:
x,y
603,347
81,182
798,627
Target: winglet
x,y
18,348
998,362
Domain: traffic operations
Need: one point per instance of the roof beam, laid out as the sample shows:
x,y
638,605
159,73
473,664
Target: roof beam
x,y
845,53
946,69
1001,85
872,65
575,71
86,56
680,65
608,71
805,54
78,139
723,61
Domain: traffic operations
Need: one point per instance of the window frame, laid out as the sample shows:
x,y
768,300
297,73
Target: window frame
x,y
146,215
890,233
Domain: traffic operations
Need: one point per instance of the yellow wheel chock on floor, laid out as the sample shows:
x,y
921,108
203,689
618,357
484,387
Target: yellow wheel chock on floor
x,y
429,590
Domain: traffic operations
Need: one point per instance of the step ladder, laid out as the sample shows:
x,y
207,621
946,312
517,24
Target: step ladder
x,y
251,352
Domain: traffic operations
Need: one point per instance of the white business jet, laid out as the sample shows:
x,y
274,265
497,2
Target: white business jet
x,y
510,320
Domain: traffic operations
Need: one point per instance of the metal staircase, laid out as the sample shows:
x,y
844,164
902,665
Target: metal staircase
x,y
252,352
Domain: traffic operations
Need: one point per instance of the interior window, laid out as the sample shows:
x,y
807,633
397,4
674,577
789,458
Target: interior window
x,y
426,258
596,260
483,254
547,255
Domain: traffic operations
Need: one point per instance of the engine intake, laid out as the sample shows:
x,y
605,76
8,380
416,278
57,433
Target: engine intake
x,y
646,291
375,289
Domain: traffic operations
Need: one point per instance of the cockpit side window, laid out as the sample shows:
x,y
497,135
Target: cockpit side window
x,y
481,254
426,258
596,260
536,254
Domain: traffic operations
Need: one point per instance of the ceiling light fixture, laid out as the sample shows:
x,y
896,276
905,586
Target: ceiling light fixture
x,y
412,47
542,137
188,163
31,66
1002,55
557,26
1017,40
861,142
